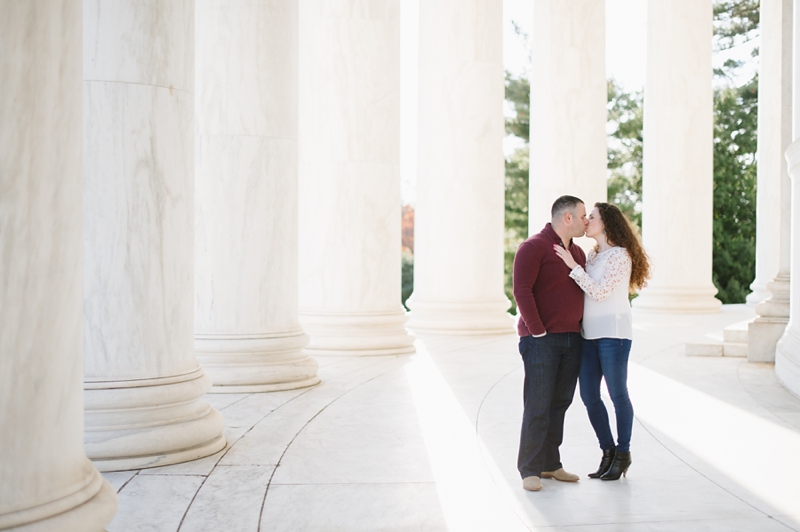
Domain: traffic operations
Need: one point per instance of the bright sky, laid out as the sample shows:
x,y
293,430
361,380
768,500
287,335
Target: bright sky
x,y
626,39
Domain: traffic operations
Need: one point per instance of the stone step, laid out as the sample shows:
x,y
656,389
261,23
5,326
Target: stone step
x,y
704,350
736,333
733,344
734,349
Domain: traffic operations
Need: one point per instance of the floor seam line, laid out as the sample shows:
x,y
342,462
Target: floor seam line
x,y
644,426
269,482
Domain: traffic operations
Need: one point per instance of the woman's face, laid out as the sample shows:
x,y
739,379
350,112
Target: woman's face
x,y
596,226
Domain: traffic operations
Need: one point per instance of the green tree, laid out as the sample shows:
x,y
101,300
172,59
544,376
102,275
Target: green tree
x,y
735,123
407,276
625,119
736,22
518,92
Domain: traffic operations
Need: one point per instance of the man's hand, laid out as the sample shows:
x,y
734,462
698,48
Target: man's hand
x,y
566,256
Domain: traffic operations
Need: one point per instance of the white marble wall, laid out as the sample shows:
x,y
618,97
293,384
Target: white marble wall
x,y
143,384
787,354
46,481
247,334
773,209
350,177
568,105
458,235
678,158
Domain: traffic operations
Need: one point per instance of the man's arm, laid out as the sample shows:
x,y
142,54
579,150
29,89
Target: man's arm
x,y
526,269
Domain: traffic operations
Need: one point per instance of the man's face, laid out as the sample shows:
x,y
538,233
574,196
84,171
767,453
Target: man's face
x,y
579,222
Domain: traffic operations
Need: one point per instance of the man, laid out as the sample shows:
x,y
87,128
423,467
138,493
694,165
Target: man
x,y
550,306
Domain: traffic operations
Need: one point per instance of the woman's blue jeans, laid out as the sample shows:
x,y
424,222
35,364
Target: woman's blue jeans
x,y
607,357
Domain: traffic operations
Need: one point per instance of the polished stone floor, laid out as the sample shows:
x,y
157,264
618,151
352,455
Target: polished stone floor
x,y
429,441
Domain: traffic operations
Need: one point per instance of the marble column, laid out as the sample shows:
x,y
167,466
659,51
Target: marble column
x,y
350,178
773,222
46,481
787,354
247,334
143,385
678,158
458,235
568,106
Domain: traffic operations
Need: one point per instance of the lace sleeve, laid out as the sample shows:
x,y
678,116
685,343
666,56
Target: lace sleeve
x,y
617,269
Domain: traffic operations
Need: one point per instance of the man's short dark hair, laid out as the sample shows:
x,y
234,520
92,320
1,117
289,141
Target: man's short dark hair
x,y
563,204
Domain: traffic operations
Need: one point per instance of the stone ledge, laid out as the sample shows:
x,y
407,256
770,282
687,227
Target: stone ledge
x,y
704,350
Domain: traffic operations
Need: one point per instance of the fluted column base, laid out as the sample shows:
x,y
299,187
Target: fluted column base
x,y
777,306
151,422
768,327
472,318
248,364
759,294
359,334
88,507
678,300
787,360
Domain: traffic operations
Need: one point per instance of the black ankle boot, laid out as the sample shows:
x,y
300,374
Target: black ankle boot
x,y
605,463
622,461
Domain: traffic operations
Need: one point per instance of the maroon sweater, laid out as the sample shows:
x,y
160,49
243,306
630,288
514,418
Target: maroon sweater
x,y
548,300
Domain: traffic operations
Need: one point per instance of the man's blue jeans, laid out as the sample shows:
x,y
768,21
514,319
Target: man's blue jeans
x,y
607,357
552,363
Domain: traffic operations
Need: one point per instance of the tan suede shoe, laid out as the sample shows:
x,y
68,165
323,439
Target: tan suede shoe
x,y
560,474
532,483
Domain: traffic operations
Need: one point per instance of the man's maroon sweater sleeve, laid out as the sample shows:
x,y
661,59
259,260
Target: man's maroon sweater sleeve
x,y
526,269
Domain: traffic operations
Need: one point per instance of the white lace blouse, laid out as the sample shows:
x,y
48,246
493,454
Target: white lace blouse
x,y
606,309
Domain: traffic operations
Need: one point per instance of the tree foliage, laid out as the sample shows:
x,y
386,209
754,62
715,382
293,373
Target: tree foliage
x,y
625,121
735,22
518,92
407,276
735,133
735,136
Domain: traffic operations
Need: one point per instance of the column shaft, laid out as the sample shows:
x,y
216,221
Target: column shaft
x,y
787,354
678,158
458,237
47,483
350,178
247,334
773,222
568,106
143,384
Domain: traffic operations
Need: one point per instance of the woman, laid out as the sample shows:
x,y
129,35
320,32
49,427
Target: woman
x,y
617,265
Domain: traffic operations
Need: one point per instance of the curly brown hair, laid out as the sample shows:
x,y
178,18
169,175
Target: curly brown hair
x,y
621,232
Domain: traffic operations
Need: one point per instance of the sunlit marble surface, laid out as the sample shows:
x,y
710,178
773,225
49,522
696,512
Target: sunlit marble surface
x,y
774,136
247,333
349,177
787,353
45,477
678,165
458,242
142,382
568,98
428,442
